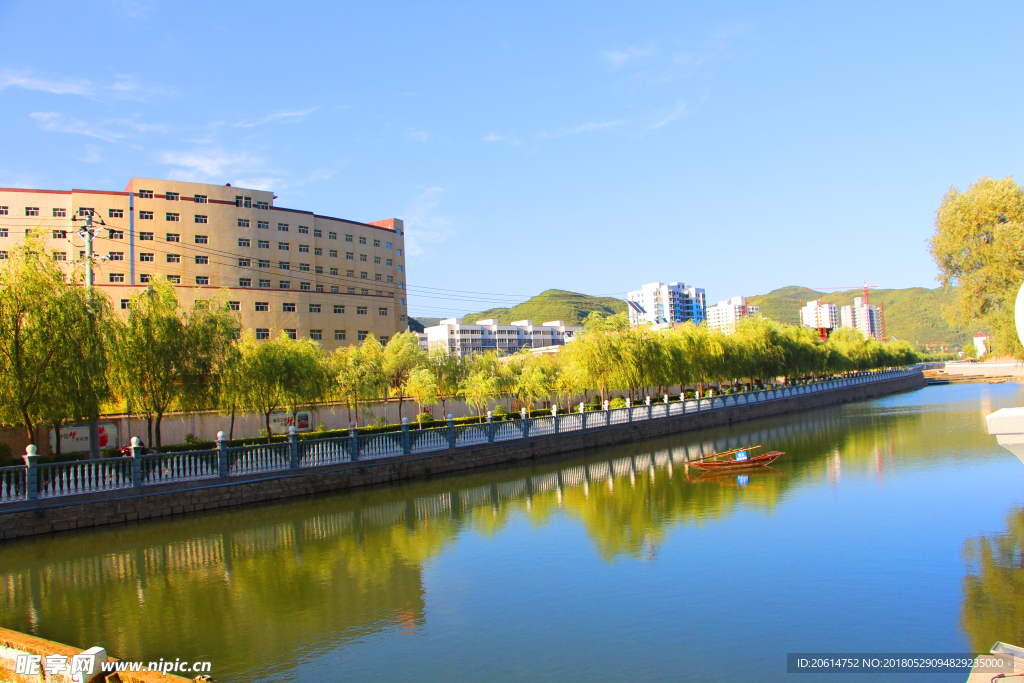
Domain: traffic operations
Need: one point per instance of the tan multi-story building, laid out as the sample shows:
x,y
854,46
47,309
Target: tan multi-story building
x,y
285,271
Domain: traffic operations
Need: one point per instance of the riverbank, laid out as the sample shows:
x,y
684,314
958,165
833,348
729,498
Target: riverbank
x,y
549,437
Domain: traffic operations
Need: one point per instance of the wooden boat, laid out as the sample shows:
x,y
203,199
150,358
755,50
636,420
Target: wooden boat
x,y
736,459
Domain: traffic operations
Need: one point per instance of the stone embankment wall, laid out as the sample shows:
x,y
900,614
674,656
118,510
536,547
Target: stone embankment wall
x,y
127,505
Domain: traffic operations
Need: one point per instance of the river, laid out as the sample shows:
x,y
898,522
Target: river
x,y
890,525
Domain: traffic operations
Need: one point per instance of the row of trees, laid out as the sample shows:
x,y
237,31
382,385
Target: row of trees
x,y
65,355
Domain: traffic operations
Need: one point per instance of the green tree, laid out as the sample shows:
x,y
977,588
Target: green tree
x,y
478,388
449,371
422,388
52,340
402,356
165,357
978,246
359,375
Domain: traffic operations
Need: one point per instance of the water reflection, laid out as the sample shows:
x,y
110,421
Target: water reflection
x,y
289,581
993,600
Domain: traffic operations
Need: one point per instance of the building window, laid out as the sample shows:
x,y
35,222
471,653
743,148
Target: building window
x,y
244,263
145,257
114,213
333,271
31,210
391,278
361,310
351,290
304,267
317,232
376,277
202,239
263,244
383,341
362,335
332,235
303,230
283,227
82,211
303,248
265,284
339,308
364,291
262,205
115,255
202,260
115,234
263,263
244,282
262,333
362,240
3,232
57,213
124,303
318,270
350,256
282,246
363,275
314,308
202,280
304,286
376,243
263,225
235,305
339,335
402,318
388,245
401,285
316,335
145,194
376,259
60,256
3,210
200,199
389,262
171,196
201,219
284,265
291,334
382,311
319,288
399,269
145,215
284,284
262,306
399,252
117,277
173,237
243,242
317,251
243,222
174,258
144,278
333,253
172,217
334,289
362,257
145,237
60,234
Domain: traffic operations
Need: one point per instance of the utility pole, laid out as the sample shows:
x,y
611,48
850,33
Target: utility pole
x,y
87,232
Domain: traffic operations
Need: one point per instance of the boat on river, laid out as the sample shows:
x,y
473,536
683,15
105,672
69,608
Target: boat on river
x,y
736,459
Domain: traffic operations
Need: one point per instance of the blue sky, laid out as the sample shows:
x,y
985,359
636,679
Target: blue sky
x,y
584,146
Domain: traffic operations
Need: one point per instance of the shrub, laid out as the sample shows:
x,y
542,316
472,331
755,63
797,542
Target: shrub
x,y
617,402
499,409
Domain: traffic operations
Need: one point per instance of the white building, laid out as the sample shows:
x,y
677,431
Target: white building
x,y
819,316
981,345
864,317
488,335
725,315
657,302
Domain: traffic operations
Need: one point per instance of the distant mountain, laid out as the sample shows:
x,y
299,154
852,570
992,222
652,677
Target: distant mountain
x,y
553,304
913,314
417,324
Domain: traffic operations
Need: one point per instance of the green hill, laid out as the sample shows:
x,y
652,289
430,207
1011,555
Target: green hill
x,y
418,323
913,314
553,304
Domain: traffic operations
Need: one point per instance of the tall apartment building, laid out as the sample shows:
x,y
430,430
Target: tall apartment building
x,y
658,302
488,335
864,317
725,315
819,316
285,271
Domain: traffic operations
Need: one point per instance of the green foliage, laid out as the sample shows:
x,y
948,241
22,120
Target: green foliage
x,y
617,402
553,304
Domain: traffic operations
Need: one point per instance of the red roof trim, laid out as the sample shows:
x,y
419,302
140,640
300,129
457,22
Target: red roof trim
x,y
21,189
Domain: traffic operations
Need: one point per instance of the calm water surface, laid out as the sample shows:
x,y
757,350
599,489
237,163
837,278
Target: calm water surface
x,y
892,525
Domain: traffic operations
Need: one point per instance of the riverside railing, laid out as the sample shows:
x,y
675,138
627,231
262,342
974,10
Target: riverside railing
x,y
52,480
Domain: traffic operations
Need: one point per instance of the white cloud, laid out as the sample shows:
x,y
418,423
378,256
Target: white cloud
x,y
125,87
618,58
680,109
267,184
279,117
92,155
133,8
503,137
26,82
424,226
417,135
110,130
213,164
589,127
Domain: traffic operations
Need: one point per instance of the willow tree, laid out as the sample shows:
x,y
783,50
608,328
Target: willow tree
x,y
422,388
165,357
358,375
448,370
52,341
402,356
978,246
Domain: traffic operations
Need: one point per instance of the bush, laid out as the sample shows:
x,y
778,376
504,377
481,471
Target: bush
x,y
426,417
499,409
617,402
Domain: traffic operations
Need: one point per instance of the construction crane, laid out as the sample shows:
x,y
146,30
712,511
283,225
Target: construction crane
x,y
867,299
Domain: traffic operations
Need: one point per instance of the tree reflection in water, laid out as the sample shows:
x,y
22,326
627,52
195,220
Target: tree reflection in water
x,y
993,602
